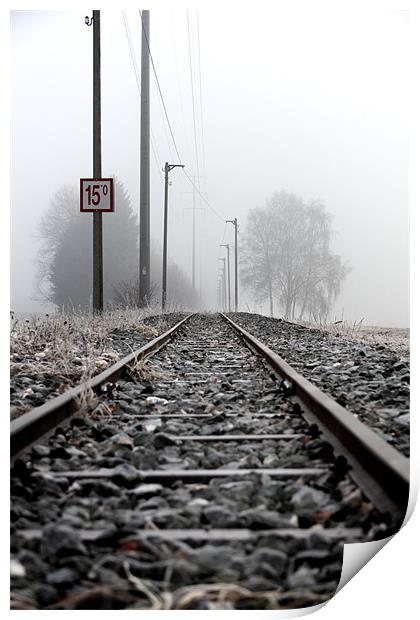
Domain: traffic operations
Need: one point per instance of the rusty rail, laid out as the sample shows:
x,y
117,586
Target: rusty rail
x,y
38,422
379,469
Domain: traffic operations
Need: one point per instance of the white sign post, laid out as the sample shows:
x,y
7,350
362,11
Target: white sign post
x,y
96,195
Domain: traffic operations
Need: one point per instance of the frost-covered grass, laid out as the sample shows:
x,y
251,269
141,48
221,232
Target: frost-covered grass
x,y
66,339
63,349
396,339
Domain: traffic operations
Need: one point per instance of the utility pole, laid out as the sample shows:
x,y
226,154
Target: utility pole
x,y
194,208
224,283
98,283
221,300
235,223
226,245
193,244
168,168
144,275
201,277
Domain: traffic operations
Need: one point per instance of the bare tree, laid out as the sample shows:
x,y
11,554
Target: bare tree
x,y
65,258
286,257
258,256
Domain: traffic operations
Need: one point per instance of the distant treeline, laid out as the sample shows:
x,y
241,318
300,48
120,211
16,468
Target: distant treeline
x,y
65,258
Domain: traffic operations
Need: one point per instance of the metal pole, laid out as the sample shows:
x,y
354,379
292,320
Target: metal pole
x,y
235,223
165,239
224,284
236,264
193,244
98,293
226,245
194,208
201,276
144,278
168,168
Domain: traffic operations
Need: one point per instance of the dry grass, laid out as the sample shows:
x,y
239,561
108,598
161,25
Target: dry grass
x,y
396,339
143,369
71,348
217,596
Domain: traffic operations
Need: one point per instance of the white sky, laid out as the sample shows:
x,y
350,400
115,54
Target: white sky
x,y
313,103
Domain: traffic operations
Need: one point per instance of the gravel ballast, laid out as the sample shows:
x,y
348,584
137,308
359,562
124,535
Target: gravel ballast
x,y
84,541
370,380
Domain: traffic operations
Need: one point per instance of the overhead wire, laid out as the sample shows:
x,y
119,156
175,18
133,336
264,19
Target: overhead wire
x,y
165,128
172,133
220,276
178,80
201,98
137,76
154,148
192,96
202,197
224,234
160,90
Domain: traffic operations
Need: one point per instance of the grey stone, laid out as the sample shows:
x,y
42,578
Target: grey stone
x,y
45,594
302,578
219,516
147,490
63,577
34,566
259,517
60,540
307,500
160,440
272,557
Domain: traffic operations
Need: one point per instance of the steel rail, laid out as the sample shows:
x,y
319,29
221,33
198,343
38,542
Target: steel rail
x,y
40,421
379,469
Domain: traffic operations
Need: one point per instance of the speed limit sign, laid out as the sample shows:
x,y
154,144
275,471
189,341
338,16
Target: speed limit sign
x,y
96,195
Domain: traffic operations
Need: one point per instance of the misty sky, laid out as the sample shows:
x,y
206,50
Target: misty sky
x,y
314,104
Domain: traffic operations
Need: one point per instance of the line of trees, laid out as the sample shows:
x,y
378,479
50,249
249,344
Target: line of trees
x,y
64,264
286,258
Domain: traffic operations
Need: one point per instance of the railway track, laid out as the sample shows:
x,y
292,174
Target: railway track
x,y
209,477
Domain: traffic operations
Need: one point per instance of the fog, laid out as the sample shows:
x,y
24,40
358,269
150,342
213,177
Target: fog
x,y
316,106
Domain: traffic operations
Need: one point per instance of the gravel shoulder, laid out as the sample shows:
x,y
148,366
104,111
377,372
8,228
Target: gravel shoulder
x,y
49,355
368,372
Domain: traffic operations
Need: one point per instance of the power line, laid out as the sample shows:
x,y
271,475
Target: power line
x,y
172,134
160,91
137,76
224,234
201,95
130,45
178,81
192,96
202,197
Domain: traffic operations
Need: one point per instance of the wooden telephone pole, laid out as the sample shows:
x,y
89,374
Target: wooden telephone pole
x,y
98,282
144,276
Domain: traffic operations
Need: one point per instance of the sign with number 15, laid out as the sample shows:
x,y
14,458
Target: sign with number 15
x,y
96,195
